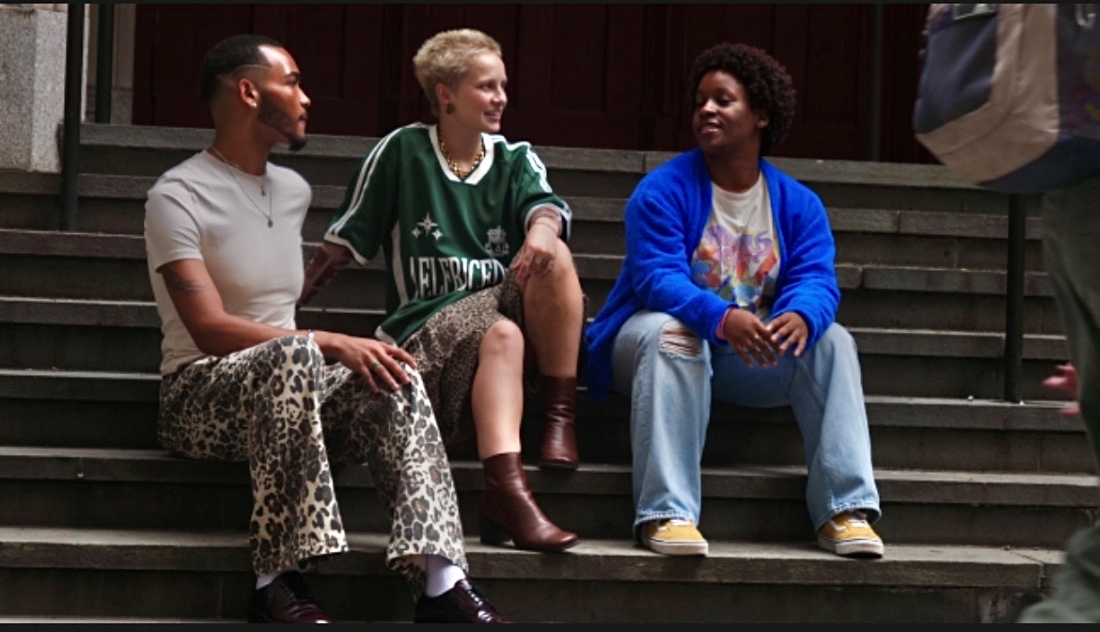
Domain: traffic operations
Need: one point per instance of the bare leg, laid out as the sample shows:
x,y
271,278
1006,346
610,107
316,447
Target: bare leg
x,y
497,395
508,510
553,314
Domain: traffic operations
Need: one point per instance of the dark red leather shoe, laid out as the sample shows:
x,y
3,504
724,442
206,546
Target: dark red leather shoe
x,y
285,600
507,510
462,604
559,438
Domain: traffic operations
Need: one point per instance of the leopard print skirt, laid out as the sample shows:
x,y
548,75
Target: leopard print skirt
x,y
286,412
446,352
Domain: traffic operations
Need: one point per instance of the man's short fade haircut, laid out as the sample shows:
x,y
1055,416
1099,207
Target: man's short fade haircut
x,y
766,82
230,54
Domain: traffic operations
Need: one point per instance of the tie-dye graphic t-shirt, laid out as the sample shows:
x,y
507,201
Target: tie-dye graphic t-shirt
x,y
737,256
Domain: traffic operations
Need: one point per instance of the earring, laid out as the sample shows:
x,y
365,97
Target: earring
x,y
450,109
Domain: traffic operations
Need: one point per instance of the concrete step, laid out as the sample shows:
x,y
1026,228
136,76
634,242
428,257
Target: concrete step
x,y
966,239
920,257
83,488
78,408
112,267
138,150
189,575
149,151
929,238
119,410
362,315
124,336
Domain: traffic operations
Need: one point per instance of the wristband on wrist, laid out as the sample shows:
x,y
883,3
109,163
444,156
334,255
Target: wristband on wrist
x,y
720,332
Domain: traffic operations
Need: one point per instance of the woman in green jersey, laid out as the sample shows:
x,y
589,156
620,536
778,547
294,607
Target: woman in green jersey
x,y
474,241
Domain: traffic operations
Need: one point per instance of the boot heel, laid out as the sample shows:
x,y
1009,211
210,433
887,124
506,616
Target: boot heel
x,y
491,532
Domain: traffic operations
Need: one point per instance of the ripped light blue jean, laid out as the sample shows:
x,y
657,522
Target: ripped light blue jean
x,y
669,374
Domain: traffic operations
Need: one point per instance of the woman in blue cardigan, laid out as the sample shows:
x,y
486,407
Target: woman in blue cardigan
x,y
728,287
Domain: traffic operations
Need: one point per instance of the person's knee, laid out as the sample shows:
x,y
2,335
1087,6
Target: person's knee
x,y
676,339
563,256
503,339
562,278
837,339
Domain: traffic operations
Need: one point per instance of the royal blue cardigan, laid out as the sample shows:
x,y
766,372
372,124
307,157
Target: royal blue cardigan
x,y
665,218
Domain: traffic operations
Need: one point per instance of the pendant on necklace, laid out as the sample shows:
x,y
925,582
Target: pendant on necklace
x,y
270,223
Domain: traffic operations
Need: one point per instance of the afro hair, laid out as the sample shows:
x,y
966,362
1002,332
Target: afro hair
x,y
766,81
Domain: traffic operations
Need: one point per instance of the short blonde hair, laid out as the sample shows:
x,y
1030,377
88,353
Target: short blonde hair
x,y
445,58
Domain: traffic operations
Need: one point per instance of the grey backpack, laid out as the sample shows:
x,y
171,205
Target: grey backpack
x,y
1009,94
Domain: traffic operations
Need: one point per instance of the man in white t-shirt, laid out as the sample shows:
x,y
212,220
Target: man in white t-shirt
x,y
241,382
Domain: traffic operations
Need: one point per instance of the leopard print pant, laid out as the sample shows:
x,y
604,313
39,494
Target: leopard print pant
x,y
280,407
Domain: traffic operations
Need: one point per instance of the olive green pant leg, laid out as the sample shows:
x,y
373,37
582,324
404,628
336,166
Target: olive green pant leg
x,y
1071,252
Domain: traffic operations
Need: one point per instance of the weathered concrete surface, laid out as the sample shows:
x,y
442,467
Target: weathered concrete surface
x,y
32,88
597,581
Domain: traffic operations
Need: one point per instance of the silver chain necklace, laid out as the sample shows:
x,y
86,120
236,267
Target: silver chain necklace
x,y
263,186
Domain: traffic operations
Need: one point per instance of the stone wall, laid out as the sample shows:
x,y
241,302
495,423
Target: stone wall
x,y
32,84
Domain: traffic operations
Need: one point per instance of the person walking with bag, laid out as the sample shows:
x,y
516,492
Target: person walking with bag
x,y
1071,232
1009,100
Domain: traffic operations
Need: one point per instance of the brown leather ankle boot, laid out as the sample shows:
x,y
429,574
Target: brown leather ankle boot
x,y
559,438
508,510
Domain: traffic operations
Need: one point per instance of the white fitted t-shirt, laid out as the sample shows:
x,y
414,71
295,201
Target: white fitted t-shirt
x,y
737,256
204,209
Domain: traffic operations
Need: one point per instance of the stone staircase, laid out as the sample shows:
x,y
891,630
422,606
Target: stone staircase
x,y
979,495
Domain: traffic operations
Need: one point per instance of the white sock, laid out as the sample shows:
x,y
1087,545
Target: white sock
x,y
442,575
263,580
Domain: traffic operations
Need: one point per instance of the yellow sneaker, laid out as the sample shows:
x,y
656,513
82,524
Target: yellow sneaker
x,y
673,537
850,535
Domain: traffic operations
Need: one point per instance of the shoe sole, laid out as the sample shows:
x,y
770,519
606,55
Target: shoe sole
x,y
678,549
504,543
558,466
870,549
559,549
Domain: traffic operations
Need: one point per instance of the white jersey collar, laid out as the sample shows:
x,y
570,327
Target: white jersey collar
x,y
483,167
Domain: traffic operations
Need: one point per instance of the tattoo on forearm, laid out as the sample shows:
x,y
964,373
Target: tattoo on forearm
x,y
176,283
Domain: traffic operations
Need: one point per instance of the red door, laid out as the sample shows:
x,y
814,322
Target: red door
x,y
574,71
825,48
169,43
610,76
337,47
